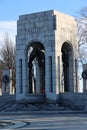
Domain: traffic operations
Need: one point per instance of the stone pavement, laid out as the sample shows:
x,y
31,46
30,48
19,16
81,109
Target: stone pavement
x,y
43,120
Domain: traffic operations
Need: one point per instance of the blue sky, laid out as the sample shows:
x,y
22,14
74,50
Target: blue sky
x,y
11,9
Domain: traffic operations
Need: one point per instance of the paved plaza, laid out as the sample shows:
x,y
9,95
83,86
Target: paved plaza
x,y
43,121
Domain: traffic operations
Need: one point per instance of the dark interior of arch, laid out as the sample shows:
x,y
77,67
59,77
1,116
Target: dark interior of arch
x,y
66,48
37,46
39,55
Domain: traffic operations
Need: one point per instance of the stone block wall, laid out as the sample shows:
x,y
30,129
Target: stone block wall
x,y
74,100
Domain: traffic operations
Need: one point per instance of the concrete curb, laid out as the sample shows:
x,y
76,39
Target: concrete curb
x,y
43,112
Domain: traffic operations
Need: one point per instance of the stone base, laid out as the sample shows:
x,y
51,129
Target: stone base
x,y
73,100
32,98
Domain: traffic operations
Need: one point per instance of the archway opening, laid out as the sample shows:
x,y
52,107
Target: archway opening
x,y
67,62
36,68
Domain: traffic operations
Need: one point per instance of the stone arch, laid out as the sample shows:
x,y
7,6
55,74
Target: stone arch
x,y
67,65
36,67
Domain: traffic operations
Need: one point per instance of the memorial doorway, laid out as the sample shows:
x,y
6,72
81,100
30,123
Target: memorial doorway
x,y
67,63
36,68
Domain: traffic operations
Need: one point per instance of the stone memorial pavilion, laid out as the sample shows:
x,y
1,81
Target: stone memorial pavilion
x,y
46,56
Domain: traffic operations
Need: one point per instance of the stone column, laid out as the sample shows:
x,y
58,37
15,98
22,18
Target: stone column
x,y
30,78
42,80
48,78
37,78
76,74
6,82
61,75
11,87
58,73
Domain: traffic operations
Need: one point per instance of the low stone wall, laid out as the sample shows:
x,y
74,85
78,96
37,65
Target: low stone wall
x,y
32,98
74,100
7,99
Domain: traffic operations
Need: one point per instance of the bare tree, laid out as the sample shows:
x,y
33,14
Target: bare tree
x,y
82,32
7,52
7,55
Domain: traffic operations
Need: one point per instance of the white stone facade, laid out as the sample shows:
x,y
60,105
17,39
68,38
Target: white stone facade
x,y
56,34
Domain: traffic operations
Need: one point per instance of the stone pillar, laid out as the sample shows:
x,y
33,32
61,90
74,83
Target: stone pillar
x,y
61,75
37,78
11,87
49,78
58,75
6,82
42,80
76,75
30,78
71,72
